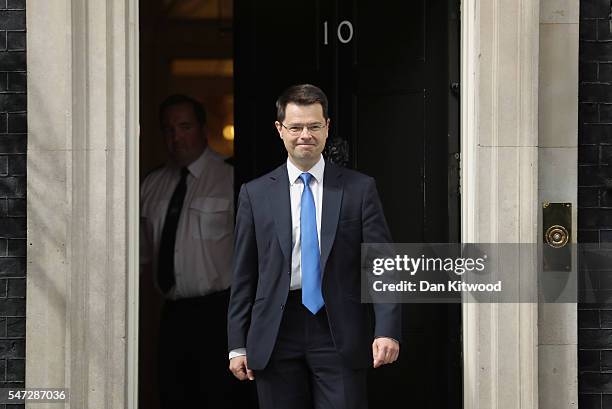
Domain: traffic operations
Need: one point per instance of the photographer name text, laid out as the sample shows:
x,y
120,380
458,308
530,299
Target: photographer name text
x,y
426,286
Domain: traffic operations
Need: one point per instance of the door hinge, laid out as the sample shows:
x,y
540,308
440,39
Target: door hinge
x,y
459,181
455,88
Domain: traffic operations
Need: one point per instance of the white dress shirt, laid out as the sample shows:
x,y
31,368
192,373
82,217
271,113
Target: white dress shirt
x,y
204,237
296,187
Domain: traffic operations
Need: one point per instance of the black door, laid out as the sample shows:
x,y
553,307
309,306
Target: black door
x,y
388,70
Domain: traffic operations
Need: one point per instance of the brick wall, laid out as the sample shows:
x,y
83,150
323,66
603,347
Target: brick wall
x,y
13,128
595,198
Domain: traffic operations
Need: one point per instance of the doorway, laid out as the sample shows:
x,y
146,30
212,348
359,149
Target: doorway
x,y
391,73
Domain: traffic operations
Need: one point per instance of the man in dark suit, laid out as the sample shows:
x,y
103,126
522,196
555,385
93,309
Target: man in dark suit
x,y
296,323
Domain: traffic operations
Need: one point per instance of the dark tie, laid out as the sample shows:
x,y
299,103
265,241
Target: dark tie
x,y
165,268
312,297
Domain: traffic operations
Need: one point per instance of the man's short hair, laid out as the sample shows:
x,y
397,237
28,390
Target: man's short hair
x,y
179,99
302,94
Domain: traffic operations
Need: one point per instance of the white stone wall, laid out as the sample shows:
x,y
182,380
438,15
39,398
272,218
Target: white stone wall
x,y
499,191
519,115
82,200
558,182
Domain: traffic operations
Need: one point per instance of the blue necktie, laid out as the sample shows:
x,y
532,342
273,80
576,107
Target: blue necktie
x,y
311,269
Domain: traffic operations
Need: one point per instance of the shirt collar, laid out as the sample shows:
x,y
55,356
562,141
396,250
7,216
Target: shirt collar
x,y
197,166
316,171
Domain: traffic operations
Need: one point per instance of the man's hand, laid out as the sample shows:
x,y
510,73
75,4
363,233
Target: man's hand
x,y
384,351
238,366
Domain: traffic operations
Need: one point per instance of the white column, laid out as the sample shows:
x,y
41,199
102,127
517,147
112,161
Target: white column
x,y
82,191
500,190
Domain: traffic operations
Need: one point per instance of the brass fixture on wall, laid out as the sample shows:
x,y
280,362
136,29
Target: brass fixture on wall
x,y
557,234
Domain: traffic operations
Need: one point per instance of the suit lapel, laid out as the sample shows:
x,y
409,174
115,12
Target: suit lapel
x,y
280,204
332,199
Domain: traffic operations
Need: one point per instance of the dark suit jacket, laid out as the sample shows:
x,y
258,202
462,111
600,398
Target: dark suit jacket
x,y
351,214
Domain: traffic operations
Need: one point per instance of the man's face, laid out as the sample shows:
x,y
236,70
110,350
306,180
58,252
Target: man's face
x,y
185,138
304,132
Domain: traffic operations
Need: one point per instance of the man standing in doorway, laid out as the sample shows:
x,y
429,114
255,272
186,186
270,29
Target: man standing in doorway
x,y
296,324
187,221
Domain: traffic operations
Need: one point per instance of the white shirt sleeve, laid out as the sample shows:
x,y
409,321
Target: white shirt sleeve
x,y
237,352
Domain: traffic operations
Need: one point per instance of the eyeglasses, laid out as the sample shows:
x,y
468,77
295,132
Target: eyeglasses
x,y
298,128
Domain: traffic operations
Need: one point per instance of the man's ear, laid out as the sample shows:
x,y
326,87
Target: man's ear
x,y
279,128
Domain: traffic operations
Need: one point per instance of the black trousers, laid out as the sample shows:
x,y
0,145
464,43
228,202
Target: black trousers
x,y
305,370
193,361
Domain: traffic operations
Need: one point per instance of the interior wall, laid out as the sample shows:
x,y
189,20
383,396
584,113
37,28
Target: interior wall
x,y
165,39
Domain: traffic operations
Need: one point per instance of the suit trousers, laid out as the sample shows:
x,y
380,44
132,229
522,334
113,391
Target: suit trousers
x,y
193,364
305,370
